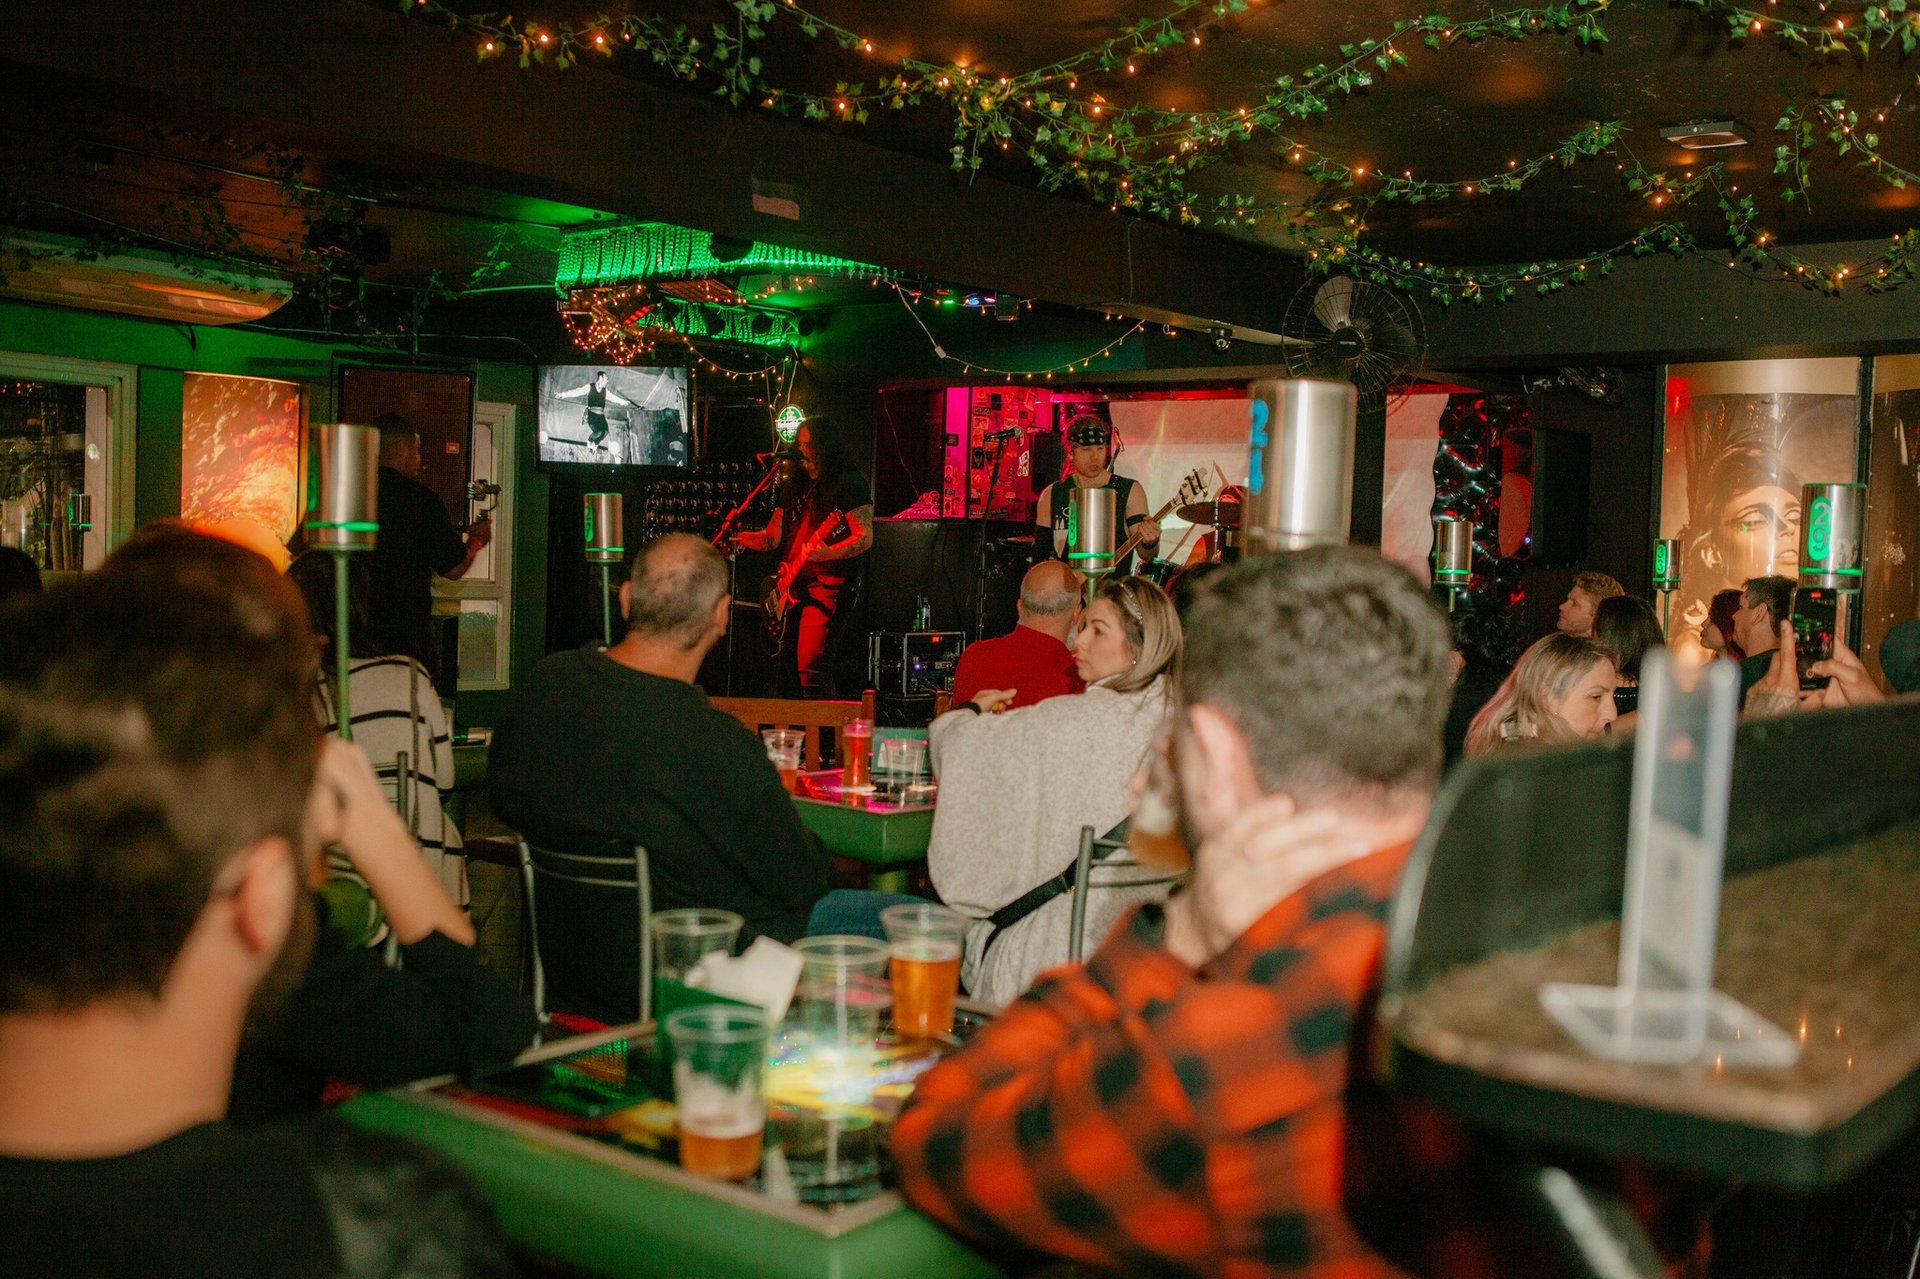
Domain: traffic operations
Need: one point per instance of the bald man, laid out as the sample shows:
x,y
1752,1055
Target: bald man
x,y
1033,659
618,744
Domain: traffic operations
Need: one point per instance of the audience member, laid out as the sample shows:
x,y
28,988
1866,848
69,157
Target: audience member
x,y
396,711
1186,584
1899,655
1194,1099
19,575
1015,789
1628,626
350,1018
1848,682
1765,603
1561,691
1033,659
416,541
160,811
1716,633
616,745
1577,610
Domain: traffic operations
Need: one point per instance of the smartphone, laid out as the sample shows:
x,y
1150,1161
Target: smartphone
x,y
1815,616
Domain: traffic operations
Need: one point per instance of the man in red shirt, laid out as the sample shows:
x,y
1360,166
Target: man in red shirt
x,y
1189,1101
1033,659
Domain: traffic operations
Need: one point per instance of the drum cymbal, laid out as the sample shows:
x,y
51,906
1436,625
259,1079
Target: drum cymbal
x,y
1203,513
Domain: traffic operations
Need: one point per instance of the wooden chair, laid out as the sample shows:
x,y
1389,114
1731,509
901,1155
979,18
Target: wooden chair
x,y
810,716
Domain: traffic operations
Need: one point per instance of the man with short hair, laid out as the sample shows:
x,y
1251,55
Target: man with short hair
x,y
416,541
617,745
1033,658
159,818
1578,610
1765,602
1181,1103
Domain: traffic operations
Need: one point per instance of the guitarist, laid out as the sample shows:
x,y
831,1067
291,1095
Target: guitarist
x,y
829,525
1090,459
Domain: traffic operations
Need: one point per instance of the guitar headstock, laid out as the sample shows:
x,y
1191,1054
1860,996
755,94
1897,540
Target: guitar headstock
x,y
1193,488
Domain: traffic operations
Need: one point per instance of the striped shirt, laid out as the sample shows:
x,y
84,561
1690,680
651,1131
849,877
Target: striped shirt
x,y
396,711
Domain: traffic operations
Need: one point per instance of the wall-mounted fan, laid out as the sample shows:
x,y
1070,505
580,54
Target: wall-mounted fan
x,y
1344,328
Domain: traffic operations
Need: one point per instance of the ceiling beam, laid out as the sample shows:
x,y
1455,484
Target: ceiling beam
x,y
367,85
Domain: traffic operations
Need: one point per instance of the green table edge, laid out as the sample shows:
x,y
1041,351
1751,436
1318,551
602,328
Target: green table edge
x,y
601,1220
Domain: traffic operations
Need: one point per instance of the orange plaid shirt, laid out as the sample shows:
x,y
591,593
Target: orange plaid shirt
x,y
1138,1114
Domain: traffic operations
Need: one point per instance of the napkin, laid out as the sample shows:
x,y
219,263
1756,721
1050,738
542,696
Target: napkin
x,y
766,974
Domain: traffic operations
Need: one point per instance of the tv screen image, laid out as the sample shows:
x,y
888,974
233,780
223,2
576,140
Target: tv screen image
x,y
606,415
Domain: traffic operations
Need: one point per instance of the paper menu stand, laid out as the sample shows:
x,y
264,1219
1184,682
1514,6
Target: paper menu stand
x,y
1664,1009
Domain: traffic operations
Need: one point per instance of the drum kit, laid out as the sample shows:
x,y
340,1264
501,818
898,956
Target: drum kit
x,y
1222,513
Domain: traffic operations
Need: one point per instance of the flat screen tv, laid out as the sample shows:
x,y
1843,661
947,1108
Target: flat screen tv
x,y
606,415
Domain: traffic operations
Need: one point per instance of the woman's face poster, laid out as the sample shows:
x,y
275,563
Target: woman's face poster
x,y
1741,439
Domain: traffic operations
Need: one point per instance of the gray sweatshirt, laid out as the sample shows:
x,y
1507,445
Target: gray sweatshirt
x,y
1015,789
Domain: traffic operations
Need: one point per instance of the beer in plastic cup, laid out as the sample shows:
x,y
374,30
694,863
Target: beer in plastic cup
x,y
719,1088
682,937
1153,836
856,748
925,941
783,749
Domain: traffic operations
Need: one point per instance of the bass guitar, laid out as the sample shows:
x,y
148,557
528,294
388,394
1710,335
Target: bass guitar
x,y
776,593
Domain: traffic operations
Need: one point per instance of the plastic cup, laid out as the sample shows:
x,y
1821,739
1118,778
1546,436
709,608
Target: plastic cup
x,y
1153,836
925,942
897,764
843,990
720,1088
681,937
783,749
856,750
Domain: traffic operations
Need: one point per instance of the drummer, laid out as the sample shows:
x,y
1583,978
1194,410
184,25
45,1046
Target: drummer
x,y
1090,451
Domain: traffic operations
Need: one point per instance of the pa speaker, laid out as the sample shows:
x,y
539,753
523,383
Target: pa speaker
x,y
1562,463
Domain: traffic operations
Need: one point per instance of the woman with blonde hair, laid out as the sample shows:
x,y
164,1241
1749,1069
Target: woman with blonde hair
x,y
1561,691
1016,788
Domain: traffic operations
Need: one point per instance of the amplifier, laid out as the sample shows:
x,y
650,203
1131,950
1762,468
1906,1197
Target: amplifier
x,y
914,662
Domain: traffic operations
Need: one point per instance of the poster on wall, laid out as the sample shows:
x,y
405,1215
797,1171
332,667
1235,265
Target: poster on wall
x,y
1741,438
240,452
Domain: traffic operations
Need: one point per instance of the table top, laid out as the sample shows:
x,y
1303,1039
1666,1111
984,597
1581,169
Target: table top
x,y
1822,946
603,1195
856,824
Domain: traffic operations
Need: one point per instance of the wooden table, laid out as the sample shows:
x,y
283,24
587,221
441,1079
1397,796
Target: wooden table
x,y
572,1192
889,838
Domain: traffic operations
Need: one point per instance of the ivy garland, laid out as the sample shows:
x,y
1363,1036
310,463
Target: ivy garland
x,y
1140,158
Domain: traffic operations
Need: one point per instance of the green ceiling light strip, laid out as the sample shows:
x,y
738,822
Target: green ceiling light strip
x,y
651,251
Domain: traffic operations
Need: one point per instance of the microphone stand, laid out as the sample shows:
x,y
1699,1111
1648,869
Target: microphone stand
x,y
980,568
724,534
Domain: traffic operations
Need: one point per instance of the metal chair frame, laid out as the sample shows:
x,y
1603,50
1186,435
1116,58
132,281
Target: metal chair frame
x,y
1084,881
597,871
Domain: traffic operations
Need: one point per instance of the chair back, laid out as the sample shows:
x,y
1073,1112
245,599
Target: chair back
x,y
815,718
581,909
1083,875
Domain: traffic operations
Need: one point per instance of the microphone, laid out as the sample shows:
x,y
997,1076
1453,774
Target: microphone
x,y
1007,434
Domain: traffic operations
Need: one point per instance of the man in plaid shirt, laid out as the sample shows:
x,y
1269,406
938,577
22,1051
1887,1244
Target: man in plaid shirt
x,y
1184,1103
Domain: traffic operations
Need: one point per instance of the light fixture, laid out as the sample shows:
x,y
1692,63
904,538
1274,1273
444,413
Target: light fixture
x,y
1706,135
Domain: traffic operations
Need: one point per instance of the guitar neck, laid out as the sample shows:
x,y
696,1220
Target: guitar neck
x,y
1133,540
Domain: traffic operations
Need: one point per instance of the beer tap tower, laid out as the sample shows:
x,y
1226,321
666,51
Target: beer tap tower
x,y
347,522
1090,529
1299,464
1452,556
1666,577
605,515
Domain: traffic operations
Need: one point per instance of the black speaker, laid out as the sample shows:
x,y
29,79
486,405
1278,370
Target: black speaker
x,y
1562,464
